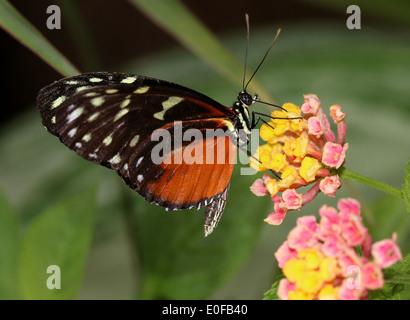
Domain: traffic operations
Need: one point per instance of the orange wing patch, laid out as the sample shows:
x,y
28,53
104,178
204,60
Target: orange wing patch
x,y
205,172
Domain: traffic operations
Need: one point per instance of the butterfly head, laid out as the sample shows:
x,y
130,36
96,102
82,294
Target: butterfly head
x,y
246,98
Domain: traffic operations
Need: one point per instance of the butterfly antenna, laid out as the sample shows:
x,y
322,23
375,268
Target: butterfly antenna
x,y
264,57
246,49
269,104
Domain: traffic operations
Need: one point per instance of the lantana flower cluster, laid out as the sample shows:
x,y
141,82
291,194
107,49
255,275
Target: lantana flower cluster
x,y
321,260
304,150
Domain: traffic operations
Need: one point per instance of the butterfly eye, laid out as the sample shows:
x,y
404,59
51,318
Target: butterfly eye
x,y
245,98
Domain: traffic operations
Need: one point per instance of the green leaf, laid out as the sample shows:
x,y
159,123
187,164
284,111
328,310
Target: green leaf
x,y
176,19
9,248
406,188
397,278
399,273
388,292
272,293
22,30
60,236
178,262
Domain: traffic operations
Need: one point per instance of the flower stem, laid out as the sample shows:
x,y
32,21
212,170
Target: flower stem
x,y
353,176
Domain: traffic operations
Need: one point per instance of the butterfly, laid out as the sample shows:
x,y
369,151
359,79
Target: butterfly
x,y
111,118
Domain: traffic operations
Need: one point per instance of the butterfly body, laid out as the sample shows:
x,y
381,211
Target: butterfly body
x,y
112,119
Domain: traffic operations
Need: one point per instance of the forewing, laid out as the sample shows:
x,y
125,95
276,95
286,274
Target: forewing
x,y
110,118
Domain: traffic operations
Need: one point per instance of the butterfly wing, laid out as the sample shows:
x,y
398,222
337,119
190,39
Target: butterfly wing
x,y
110,118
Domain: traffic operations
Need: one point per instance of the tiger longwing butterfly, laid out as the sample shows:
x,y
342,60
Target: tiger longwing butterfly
x,y
110,118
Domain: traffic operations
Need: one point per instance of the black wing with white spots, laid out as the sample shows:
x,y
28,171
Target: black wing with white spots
x,y
108,118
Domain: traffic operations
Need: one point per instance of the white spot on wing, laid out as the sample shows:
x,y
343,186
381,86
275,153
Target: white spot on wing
x,y
75,114
71,82
116,159
57,102
86,137
91,94
167,104
139,162
125,103
120,114
96,102
129,80
140,177
93,117
72,132
107,140
134,140
111,91
96,79
141,90
81,88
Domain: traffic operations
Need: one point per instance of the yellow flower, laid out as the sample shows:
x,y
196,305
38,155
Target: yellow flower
x,y
300,295
289,175
273,187
280,122
289,146
328,292
328,269
263,154
278,162
311,282
266,132
294,269
301,147
312,257
309,271
308,169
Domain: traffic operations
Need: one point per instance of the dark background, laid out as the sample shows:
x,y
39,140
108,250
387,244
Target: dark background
x,y
131,34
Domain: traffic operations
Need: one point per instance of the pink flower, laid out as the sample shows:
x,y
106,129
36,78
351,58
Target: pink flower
x,y
330,222
337,114
316,127
284,253
348,207
266,178
332,246
308,221
276,217
258,188
371,276
334,154
284,287
320,260
348,259
353,231
350,289
329,185
302,237
386,252
291,199
311,105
